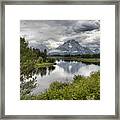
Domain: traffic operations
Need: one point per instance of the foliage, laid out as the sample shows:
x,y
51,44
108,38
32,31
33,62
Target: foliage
x,y
31,61
34,61
43,65
31,57
90,56
82,88
26,87
79,55
90,61
51,60
78,59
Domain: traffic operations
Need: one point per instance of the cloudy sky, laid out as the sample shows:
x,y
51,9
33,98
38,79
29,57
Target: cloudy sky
x,y
53,33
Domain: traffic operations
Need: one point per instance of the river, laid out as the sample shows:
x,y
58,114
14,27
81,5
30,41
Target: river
x,y
63,71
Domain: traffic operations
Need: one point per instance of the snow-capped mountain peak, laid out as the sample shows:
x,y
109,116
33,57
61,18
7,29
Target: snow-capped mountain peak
x,y
71,47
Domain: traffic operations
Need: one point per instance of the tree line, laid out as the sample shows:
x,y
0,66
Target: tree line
x,y
30,56
79,55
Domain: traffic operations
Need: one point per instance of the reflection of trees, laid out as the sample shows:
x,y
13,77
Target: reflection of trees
x,y
28,81
43,71
50,69
40,71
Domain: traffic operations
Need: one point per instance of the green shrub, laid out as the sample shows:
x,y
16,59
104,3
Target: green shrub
x,y
82,88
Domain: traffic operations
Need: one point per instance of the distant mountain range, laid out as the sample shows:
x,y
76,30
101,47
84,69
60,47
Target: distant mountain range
x,y
96,51
71,47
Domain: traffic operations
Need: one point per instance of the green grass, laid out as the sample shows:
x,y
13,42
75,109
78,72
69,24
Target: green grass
x,y
82,88
90,60
78,59
42,65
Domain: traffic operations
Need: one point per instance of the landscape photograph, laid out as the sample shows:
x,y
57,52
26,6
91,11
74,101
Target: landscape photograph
x,y
59,59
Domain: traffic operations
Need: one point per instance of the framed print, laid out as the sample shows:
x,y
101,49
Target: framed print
x,y
60,60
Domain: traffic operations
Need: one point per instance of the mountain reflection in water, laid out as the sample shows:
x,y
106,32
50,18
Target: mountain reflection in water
x,y
70,66
63,71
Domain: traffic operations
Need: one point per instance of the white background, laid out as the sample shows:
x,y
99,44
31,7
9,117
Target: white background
x,y
13,104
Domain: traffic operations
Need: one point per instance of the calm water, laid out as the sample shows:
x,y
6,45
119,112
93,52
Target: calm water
x,y
63,71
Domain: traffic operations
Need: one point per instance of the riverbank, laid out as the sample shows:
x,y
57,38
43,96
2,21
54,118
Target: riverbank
x,y
43,65
90,60
78,59
82,88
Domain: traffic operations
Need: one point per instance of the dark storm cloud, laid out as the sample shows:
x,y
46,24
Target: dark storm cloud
x,y
82,26
53,33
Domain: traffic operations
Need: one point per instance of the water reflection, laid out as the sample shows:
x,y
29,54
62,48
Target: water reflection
x,y
41,71
63,71
50,69
29,82
70,66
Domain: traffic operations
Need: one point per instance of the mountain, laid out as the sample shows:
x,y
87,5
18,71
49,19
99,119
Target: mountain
x,y
71,47
41,47
96,51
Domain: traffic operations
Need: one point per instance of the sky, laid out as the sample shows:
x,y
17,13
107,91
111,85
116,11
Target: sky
x,y
53,33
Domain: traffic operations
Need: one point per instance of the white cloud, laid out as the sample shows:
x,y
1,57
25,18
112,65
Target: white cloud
x,y
53,33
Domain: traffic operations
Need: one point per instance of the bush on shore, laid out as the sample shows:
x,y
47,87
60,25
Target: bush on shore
x,y
82,88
